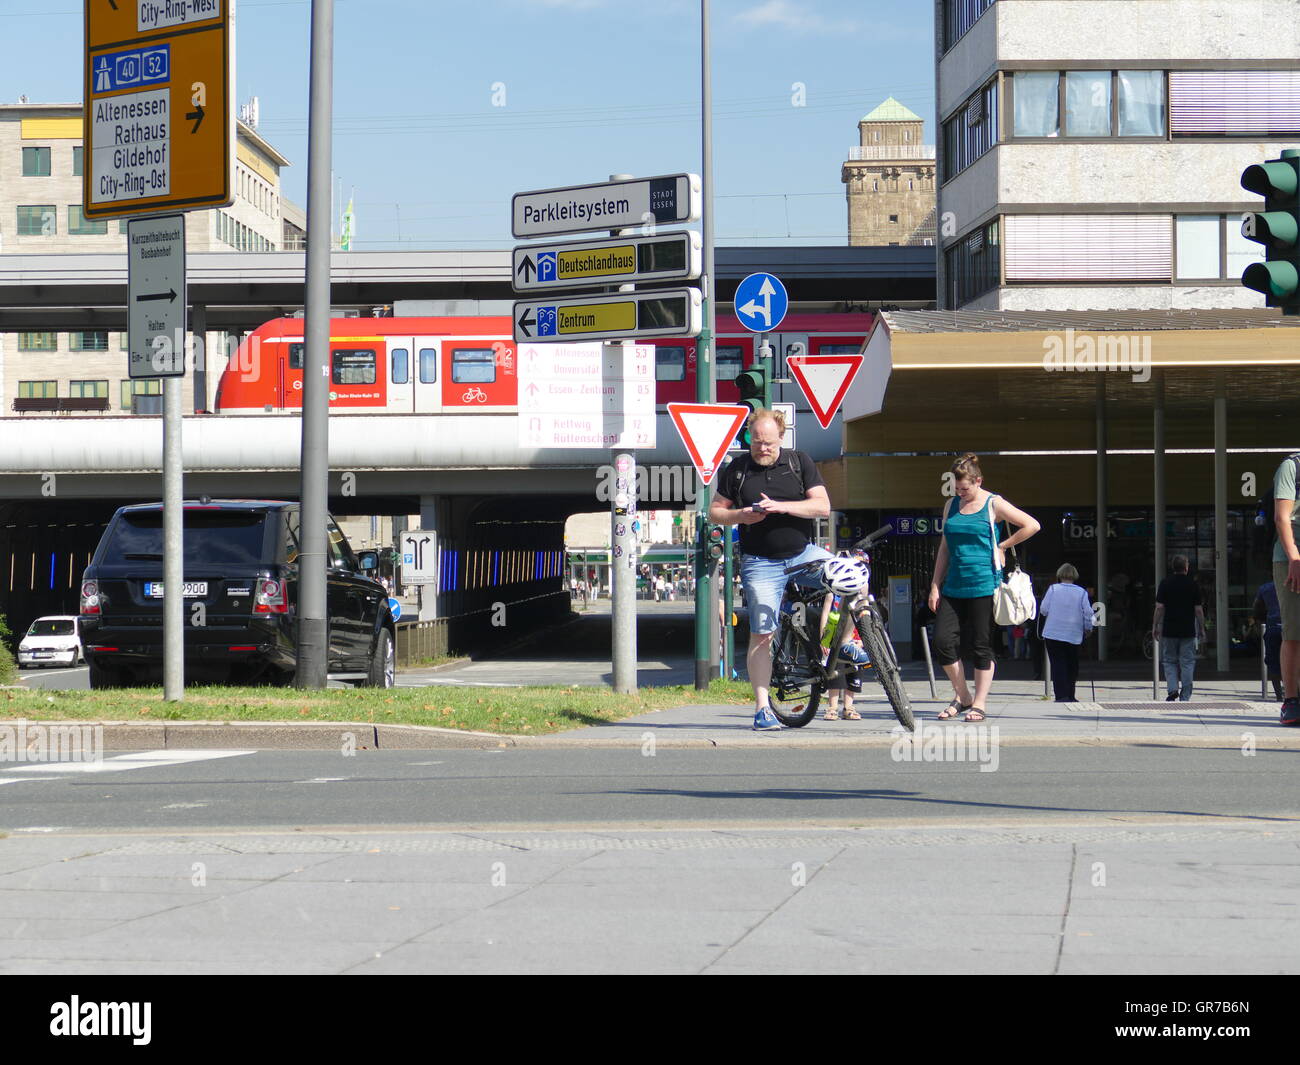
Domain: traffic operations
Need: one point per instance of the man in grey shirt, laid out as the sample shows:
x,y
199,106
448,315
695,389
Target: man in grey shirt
x,y
1286,579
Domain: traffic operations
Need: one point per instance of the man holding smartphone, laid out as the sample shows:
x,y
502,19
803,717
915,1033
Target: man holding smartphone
x,y
774,494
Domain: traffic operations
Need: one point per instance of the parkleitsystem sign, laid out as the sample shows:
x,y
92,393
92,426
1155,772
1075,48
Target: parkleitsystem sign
x,y
159,130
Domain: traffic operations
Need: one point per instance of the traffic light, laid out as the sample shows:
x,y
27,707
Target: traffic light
x,y
1277,227
753,387
715,543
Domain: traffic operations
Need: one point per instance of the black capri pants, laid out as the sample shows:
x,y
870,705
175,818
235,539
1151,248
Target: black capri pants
x,y
962,629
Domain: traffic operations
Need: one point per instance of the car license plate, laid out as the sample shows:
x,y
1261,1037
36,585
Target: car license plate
x,y
154,589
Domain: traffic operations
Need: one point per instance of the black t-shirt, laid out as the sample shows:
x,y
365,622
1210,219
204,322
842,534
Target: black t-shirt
x,y
1181,596
778,535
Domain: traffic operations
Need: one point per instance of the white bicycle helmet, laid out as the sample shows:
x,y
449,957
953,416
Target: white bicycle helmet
x,y
844,576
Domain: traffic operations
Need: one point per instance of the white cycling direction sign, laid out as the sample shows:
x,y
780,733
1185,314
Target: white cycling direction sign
x,y
626,316
665,200
155,286
615,260
586,395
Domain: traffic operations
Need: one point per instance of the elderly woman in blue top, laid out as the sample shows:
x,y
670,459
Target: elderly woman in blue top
x,y
966,572
1067,619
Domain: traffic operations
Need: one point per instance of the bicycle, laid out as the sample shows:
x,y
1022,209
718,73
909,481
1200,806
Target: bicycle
x,y
798,672
474,395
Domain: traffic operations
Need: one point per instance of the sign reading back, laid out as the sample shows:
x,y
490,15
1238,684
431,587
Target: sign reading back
x,y
155,285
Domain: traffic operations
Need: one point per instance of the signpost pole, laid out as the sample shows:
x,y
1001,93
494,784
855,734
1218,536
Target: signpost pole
x,y
173,570
705,646
314,557
623,537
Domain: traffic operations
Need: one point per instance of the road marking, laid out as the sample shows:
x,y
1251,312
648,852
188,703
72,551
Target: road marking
x,y
121,762
321,780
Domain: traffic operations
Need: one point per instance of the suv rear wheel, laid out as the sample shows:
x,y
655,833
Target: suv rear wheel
x,y
383,663
104,677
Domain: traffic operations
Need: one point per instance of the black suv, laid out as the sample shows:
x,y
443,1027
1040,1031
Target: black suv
x,y
240,563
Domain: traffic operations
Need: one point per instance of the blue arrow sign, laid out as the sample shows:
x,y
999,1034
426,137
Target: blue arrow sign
x,y
761,302
396,608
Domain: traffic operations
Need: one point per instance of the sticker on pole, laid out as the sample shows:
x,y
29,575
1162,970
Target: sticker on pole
x,y
825,380
707,430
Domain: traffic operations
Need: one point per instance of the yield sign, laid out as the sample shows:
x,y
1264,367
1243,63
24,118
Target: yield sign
x,y
707,430
824,379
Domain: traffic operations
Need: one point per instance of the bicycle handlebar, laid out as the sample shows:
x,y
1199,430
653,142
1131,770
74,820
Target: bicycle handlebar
x,y
868,541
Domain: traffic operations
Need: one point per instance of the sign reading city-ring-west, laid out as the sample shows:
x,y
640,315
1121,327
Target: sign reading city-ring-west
x,y
159,130
576,263
657,313
652,201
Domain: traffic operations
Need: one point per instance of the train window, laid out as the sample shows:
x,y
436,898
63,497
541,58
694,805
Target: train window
x,y
728,363
839,349
352,367
295,356
670,362
473,365
429,366
401,358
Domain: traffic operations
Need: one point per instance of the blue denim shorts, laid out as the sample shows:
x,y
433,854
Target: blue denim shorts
x,y
764,580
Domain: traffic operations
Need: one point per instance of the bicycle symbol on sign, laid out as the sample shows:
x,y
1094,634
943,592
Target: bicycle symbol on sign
x,y
474,395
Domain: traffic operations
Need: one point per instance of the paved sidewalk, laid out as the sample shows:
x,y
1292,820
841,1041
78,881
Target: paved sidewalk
x,y
1137,898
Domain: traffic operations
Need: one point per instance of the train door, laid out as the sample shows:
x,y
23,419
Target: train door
x,y
401,390
426,359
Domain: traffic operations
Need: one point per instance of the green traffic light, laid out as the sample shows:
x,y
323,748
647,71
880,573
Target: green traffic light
x,y
1277,280
1271,227
1274,178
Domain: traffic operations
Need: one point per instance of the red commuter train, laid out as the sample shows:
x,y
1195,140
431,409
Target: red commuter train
x,y
433,365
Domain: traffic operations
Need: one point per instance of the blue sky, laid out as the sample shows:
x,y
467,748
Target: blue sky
x,y
445,108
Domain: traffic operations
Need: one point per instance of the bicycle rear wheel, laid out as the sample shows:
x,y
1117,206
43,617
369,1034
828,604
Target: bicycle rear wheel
x,y
874,638
793,696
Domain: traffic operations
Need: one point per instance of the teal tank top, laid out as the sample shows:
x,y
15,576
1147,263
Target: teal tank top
x,y
971,571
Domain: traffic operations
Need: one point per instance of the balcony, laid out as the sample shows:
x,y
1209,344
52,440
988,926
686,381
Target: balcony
x,y
891,152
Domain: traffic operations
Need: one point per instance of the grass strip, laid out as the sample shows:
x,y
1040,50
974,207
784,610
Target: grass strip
x,y
533,711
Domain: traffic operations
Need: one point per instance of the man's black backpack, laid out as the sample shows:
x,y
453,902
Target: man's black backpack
x,y
1265,530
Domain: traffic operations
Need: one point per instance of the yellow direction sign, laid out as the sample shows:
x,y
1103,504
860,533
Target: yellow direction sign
x,y
159,131
653,313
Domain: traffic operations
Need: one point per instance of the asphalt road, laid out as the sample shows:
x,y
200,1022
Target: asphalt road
x,y
585,788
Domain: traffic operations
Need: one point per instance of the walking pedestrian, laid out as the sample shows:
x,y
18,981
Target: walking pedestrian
x,y
1286,580
966,573
1178,623
1067,619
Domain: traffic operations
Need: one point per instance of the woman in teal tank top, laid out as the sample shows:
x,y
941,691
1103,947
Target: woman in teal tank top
x,y
966,572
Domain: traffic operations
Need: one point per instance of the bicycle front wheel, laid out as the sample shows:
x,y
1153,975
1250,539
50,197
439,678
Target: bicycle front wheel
x,y
793,695
874,638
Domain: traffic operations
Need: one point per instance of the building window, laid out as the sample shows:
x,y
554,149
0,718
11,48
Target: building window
x,y
893,218
1210,247
78,158
1134,247
88,389
974,265
959,16
131,388
1236,103
37,220
36,162
38,389
96,340
80,225
972,131
1141,103
1037,101
38,341
1087,103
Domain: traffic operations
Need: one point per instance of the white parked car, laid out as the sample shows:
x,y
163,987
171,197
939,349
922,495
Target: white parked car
x,y
52,641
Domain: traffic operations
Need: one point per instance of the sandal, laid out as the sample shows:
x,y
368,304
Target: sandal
x,y
851,715
953,709
975,713
831,714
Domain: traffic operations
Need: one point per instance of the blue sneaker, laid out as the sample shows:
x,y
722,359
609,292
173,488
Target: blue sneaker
x,y
765,721
855,653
